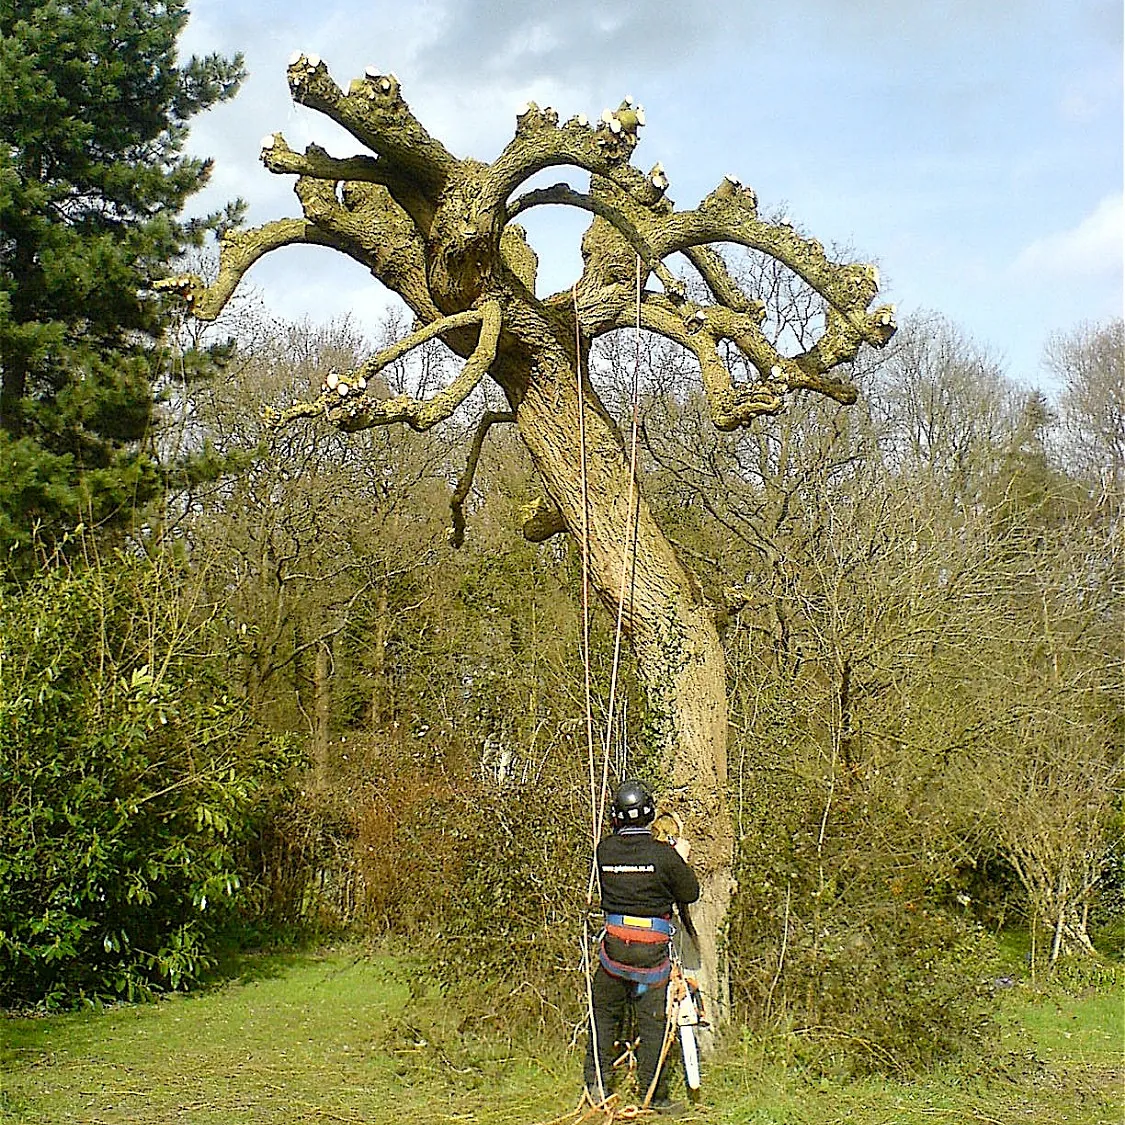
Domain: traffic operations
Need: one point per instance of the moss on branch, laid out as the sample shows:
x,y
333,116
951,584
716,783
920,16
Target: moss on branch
x,y
487,420
346,403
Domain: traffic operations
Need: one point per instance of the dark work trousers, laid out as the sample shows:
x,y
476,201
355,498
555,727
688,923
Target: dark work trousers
x,y
611,995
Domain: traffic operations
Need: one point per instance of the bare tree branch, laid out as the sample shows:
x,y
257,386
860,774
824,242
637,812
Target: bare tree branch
x,y
565,195
343,404
723,287
374,112
238,251
487,420
603,150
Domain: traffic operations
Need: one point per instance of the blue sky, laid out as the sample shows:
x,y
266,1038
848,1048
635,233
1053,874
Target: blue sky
x,y
972,149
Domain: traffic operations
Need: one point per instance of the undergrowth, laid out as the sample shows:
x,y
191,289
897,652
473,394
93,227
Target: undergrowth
x,y
347,1035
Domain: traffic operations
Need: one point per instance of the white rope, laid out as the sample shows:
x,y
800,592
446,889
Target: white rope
x,y
594,818
628,574
629,557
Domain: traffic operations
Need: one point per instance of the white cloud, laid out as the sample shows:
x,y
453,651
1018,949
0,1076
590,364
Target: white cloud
x,y
1092,249
947,140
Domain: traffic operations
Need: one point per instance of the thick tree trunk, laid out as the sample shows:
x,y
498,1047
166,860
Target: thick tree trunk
x,y
670,627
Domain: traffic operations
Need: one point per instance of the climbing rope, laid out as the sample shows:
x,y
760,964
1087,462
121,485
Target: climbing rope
x,y
628,574
629,557
609,1106
594,815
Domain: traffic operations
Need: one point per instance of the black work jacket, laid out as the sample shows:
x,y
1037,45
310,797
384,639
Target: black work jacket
x,y
643,876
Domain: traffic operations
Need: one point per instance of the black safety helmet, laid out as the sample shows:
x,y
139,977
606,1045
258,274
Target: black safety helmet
x,y
633,806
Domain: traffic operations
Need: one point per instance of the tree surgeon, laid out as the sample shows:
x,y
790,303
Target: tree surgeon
x,y
440,232
641,880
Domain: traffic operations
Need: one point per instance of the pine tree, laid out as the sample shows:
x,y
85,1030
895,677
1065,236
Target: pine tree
x,y
93,180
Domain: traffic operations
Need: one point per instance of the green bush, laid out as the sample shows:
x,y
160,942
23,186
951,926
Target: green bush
x,y
485,883
848,940
511,922
129,782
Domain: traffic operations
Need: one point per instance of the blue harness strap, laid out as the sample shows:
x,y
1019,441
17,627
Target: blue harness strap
x,y
631,922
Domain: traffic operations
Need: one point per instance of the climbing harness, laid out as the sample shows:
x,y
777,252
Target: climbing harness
x,y
653,933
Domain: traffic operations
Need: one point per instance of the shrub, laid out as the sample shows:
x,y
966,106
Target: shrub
x,y
129,779
485,883
844,934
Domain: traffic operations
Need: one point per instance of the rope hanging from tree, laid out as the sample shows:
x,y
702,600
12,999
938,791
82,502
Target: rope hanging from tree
x,y
598,792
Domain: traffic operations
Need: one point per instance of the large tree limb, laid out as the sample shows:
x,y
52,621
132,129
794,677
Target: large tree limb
x,y
238,251
346,405
487,420
729,214
701,331
375,231
368,226
315,163
565,195
374,112
603,150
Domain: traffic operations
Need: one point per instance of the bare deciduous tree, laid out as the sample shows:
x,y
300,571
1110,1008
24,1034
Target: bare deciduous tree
x,y
1091,362
441,233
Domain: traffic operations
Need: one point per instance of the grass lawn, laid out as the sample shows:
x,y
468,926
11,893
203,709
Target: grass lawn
x,y
328,1038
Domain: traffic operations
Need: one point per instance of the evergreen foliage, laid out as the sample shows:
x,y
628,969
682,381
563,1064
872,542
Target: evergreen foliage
x,y
94,110
130,781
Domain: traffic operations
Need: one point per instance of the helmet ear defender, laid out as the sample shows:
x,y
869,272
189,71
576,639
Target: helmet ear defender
x,y
633,805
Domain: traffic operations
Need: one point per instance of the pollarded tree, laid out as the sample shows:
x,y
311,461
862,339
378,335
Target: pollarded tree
x,y
440,231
